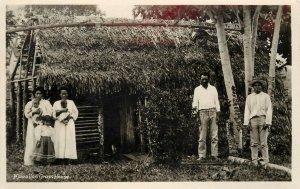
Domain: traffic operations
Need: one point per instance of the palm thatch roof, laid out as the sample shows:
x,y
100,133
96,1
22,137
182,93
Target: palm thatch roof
x,y
111,59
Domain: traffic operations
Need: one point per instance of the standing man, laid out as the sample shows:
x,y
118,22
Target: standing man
x,y
258,118
206,105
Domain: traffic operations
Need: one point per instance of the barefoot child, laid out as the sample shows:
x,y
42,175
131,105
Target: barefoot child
x,y
44,151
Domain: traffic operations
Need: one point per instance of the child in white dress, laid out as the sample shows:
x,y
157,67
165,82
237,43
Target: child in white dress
x,y
44,133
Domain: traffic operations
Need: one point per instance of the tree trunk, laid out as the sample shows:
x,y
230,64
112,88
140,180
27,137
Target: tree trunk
x,y
247,42
229,84
271,80
254,36
266,166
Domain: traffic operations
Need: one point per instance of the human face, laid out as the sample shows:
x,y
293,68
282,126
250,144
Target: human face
x,y
257,87
47,123
36,103
204,80
63,94
38,95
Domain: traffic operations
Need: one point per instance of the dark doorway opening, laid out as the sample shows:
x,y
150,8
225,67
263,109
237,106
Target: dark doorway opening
x,y
112,135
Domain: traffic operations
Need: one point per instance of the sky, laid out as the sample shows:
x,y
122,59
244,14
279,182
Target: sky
x,y
117,10
112,10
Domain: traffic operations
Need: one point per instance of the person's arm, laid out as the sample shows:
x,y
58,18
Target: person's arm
x,y
73,111
217,103
41,111
27,110
54,109
36,111
195,102
269,112
247,111
58,112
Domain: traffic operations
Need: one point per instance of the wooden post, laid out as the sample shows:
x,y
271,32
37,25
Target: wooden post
x,y
33,63
12,109
19,111
142,144
21,68
33,84
101,131
122,112
148,131
130,138
126,125
25,99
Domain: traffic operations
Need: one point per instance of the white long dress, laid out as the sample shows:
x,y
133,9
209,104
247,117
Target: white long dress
x,y
65,139
30,136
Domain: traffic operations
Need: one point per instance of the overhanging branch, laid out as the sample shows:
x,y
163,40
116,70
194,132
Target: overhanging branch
x,y
112,24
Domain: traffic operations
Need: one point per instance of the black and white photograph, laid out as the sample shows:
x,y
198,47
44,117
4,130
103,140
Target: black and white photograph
x,y
148,92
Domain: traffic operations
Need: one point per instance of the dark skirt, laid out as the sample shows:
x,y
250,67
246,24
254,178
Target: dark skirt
x,y
45,152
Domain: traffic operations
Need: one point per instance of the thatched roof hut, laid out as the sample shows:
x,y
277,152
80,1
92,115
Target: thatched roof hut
x,y
109,59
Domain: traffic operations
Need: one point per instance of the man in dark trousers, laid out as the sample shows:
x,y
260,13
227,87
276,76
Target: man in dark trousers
x,y
206,105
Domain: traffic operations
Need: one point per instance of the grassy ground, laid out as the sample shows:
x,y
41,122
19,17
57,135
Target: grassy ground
x,y
91,170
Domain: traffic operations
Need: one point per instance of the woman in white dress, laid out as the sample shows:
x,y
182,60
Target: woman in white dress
x,y
44,108
65,139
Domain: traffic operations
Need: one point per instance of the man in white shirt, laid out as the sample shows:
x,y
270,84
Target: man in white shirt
x,y
258,118
206,105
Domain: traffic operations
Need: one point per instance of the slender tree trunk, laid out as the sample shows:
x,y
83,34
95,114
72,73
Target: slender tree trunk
x,y
229,84
254,36
271,80
247,42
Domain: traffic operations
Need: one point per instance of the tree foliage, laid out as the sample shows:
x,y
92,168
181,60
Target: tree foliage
x,y
232,14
